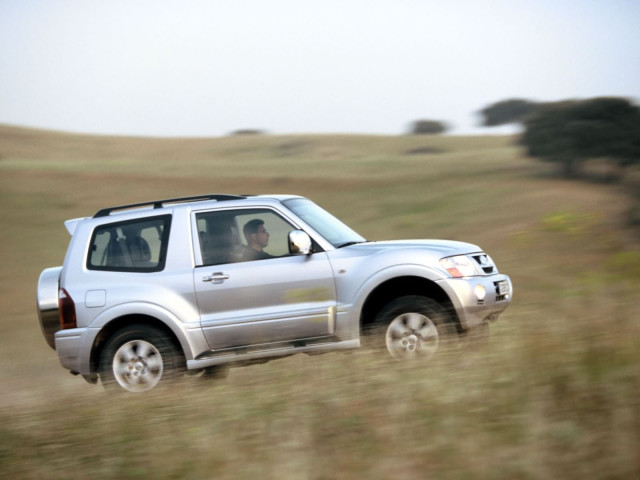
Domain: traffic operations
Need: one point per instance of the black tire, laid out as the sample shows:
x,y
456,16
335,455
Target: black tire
x,y
137,358
413,327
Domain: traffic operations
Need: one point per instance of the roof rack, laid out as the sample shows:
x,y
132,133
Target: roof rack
x,y
160,203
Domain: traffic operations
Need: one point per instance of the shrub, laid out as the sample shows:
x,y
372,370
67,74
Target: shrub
x,y
514,110
428,127
248,131
570,132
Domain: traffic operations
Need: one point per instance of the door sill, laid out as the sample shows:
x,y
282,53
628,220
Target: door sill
x,y
241,354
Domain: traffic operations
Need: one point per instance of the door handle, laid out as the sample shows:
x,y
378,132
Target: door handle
x,y
217,277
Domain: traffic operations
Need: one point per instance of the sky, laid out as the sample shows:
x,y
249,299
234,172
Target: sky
x,y
208,67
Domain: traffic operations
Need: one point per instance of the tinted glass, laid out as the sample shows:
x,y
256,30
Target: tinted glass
x,y
136,246
332,229
226,236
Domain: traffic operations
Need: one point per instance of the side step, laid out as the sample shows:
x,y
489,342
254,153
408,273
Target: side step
x,y
209,359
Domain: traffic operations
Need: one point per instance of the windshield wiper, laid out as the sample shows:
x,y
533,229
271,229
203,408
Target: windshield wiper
x,y
347,244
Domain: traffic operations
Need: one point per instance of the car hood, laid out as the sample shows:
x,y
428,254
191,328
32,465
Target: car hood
x,y
441,248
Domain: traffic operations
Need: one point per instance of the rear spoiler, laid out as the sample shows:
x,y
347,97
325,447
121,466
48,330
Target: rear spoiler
x,y
71,225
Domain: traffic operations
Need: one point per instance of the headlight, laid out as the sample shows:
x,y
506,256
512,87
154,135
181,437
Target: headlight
x,y
459,266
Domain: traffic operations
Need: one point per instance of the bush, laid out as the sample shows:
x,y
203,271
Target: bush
x,y
573,131
248,131
515,110
428,127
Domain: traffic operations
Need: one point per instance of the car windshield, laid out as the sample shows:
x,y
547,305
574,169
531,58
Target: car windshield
x,y
332,229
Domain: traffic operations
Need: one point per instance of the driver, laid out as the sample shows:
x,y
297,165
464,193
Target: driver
x,y
257,239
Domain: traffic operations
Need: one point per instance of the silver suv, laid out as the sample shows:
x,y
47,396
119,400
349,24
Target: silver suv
x,y
155,290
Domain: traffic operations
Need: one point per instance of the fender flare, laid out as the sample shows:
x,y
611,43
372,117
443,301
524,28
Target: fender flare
x,y
386,274
189,335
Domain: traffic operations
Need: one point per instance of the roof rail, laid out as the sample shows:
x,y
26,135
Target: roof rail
x,y
160,203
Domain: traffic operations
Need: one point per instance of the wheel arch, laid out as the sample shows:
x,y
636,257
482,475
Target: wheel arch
x,y
401,286
117,324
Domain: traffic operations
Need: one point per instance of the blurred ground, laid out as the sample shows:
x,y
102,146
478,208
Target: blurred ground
x,y
555,394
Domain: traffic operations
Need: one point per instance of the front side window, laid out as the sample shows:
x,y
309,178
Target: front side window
x,y
245,235
132,246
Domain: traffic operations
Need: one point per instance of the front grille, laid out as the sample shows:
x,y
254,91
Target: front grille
x,y
485,262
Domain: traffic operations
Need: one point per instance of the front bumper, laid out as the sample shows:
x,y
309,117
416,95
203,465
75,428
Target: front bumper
x,y
478,299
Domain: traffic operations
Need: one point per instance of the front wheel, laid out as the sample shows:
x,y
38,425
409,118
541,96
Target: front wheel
x,y
138,358
414,327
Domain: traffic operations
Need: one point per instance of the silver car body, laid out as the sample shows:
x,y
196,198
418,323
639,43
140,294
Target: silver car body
x,y
243,311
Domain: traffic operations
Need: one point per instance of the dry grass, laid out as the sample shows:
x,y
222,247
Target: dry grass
x,y
556,394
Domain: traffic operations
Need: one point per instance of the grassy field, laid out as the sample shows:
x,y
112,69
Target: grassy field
x,y
555,394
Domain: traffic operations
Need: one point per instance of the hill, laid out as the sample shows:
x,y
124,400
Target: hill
x,y
553,395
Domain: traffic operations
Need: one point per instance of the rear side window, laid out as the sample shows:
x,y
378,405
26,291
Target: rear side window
x,y
133,246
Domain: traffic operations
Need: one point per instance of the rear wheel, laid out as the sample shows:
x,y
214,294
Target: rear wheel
x,y
138,358
413,327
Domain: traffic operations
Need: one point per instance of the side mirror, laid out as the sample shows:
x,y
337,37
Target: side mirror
x,y
299,243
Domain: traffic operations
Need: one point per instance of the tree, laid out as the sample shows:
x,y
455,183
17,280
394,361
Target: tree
x,y
572,131
514,110
428,127
248,131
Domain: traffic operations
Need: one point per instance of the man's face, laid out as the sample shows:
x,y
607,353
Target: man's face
x,y
262,236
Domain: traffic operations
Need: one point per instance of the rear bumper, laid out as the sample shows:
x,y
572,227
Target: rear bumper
x,y
74,349
478,299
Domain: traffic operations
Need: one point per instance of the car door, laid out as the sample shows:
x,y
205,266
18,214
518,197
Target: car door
x,y
279,298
